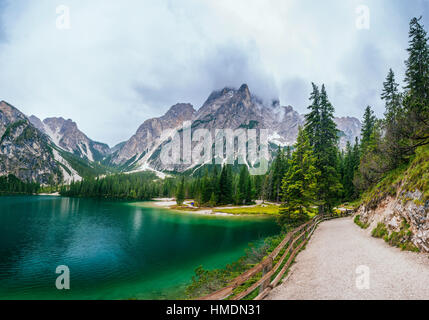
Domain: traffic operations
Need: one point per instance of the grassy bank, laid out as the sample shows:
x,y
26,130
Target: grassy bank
x,y
409,177
207,281
259,209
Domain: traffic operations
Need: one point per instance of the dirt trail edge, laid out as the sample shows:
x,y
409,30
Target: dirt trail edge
x,y
342,261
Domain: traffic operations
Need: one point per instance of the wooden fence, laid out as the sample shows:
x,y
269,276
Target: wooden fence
x,y
267,269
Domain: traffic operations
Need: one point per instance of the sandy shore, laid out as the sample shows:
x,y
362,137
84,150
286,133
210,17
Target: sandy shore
x,y
55,194
167,203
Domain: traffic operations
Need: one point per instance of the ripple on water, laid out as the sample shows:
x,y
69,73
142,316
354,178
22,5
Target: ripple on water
x,y
114,250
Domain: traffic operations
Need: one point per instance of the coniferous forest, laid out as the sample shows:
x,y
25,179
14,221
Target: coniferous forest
x,y
12,185
314,175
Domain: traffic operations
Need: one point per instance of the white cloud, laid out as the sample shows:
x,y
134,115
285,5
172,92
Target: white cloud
x,y
125,61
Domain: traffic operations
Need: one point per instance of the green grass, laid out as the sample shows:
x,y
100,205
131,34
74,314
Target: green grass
x,y
265,210
353,205
386,187
401,239
360,223
417,175
380,231
408,177
208,281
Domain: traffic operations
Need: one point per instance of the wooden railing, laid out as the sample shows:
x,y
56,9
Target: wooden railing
x,y
267,269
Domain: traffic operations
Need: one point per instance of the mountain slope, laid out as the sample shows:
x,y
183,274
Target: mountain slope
x,y
398,206
24,150
228,108
49,152
141,146
350,128
66,135
75,155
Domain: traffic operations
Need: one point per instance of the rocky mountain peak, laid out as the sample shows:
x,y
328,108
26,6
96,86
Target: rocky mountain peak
x,y
37,123
149,134
230,94
244,90
24,150
182,110
288,109
60,124
275,103
8,115
66,135
350,127
225,93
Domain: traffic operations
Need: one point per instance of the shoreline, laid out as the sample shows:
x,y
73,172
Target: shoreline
x,y
169,203
55,194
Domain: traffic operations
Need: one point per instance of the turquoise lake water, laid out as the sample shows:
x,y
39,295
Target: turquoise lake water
x,y
114,250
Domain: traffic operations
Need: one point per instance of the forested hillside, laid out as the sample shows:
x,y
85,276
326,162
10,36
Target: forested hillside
x,y
393,170
315,175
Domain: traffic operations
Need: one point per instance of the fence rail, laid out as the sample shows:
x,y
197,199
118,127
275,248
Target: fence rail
x,y
294,240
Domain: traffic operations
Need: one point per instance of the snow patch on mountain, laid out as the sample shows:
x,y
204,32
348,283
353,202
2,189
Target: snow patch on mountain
x,y
54,134
67,177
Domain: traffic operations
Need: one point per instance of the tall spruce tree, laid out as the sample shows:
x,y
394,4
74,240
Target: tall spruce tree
x,y
416,100
299,186
393,120
417,64
225,185
180,197
350,166
206,187
392,98
312,119
242,185
323,137
368,126
330,185
278,171
249,190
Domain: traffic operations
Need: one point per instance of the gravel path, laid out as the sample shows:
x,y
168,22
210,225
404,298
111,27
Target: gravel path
x,y
329,268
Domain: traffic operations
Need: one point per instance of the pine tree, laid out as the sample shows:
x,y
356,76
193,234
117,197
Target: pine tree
x,y
391,96
417,64
249,190
278,172
323,137
206,187
229,184
258,186
392,123
180,198
330,186
242,185
373,162
350,166
416,100
367,127
215,183
312,119
225,185
212,201
198,192
299,186
266,187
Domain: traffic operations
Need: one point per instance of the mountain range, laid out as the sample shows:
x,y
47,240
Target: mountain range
x,y
55,150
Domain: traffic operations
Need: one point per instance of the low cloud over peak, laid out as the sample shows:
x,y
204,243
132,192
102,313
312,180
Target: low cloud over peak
x,y
122,62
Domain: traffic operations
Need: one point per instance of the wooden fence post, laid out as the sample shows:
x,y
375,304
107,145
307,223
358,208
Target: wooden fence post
x,y
267,268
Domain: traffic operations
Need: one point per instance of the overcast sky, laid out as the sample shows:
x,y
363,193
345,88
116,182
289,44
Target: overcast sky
x,y
122,62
